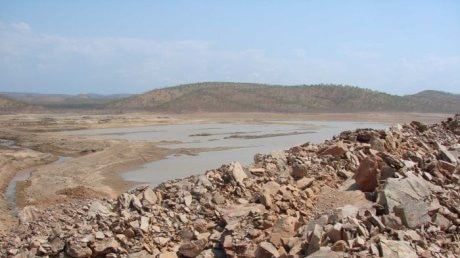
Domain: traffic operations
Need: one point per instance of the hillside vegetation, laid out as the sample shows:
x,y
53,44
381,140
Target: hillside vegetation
x,y
10,105
249,97
437,100
64,101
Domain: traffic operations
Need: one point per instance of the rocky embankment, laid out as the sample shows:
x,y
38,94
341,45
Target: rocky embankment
x,y
409,174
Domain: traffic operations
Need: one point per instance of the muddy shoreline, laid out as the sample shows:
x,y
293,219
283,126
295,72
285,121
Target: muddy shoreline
x,y
11,162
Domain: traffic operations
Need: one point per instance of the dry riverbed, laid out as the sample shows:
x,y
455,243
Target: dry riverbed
x,y
93,171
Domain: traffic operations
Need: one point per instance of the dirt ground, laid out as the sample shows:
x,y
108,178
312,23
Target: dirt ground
x,y
93,170
12,161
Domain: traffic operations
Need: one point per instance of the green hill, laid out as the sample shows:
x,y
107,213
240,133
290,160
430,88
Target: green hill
x,y
250,97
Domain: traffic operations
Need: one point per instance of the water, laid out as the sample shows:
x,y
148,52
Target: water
x,y
22,175
8,144
240,142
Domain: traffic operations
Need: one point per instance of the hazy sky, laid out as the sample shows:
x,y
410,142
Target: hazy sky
x,y
99,46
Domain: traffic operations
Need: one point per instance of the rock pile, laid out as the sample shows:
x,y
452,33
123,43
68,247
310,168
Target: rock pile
x,y
410,174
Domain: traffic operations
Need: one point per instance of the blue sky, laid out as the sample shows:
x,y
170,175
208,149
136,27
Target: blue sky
x,y
399,47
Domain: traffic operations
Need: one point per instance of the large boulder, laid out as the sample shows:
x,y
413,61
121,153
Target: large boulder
x,y
98,208
368,173
337,150
397,249
407,198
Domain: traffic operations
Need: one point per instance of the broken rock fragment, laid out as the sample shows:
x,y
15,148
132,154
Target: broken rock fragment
x,y
266,250
193,248
238,173
368,173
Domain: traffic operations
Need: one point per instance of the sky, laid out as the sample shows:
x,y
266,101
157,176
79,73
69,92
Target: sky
x,y
105,47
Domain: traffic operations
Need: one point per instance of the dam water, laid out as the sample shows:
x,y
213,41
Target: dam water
x,y
219,143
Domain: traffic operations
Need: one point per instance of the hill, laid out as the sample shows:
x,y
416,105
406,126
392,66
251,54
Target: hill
x,y
10,105
437,100
65,101
250,97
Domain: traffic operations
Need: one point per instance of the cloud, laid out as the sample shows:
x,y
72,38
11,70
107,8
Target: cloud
x,y
430,72
21,26
367,54
26,56
40,62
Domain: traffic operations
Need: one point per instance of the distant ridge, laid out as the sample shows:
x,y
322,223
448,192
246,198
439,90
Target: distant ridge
x,y
239,97
8,105
437,100
251,97
65,101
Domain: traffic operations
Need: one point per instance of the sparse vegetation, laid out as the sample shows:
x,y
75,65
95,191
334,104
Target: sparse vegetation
x,y
243,97
250,97
63,101
11,105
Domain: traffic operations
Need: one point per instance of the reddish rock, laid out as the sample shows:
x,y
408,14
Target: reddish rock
x,y
421,127
78,251
299,170
228,242
304,182
335,233
168,255
368,173
105,246
336,150
266,250
339,246
447,166
192,249
285,226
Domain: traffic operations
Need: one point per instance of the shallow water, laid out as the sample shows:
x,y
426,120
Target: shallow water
x,y
22,175
8,144
242,142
